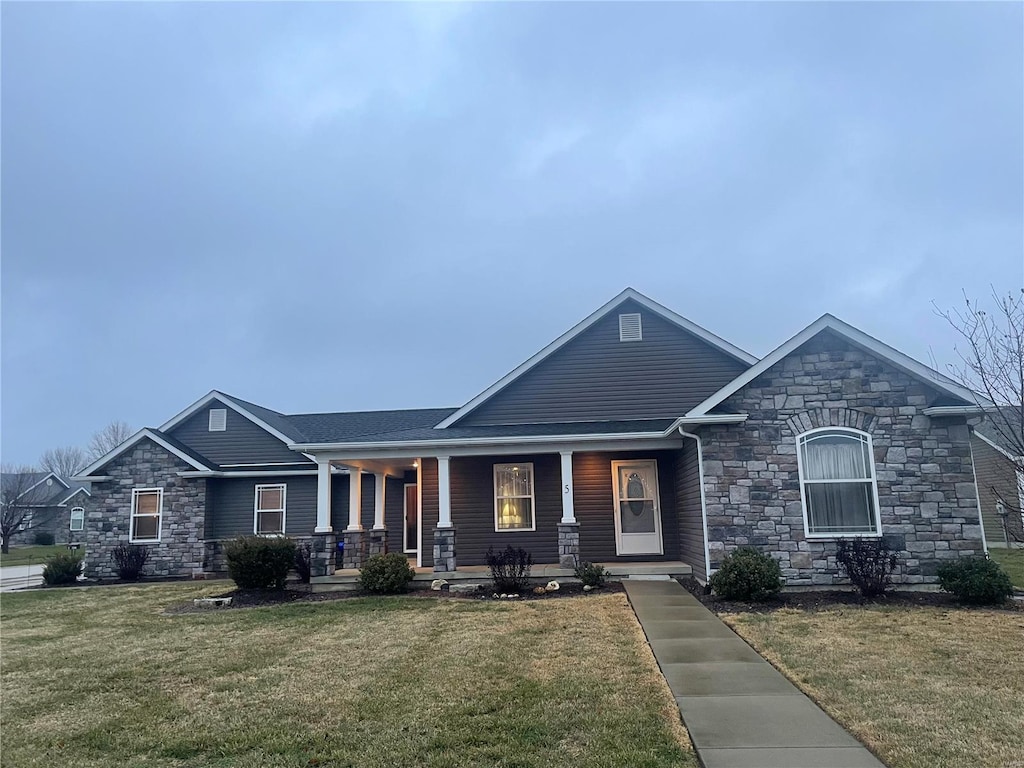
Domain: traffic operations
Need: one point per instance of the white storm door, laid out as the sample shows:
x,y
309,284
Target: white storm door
x,y
637,508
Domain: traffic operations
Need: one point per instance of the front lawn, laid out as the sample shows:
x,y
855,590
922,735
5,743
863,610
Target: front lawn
x,y
100,676
922,686
34,555
1011,561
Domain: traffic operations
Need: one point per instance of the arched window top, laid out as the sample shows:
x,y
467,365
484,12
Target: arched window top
x,y
77,518
836,454
837,482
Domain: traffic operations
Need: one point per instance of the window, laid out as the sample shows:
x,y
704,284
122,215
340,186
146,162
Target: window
x,y
26,521
147,510
270,501
218,419
77,519
630,328
837,481
513,497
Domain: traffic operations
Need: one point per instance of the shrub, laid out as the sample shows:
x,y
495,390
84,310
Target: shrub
x,y
303,559
130,559
386,574
43,539
62,568
510,569
259,562
591,574
868,563
746,574
976,581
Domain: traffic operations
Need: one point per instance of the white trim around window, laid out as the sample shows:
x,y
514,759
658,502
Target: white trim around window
x,y
270,500
77,516
849,473
149,512
514,498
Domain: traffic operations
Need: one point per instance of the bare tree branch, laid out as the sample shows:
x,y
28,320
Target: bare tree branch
x,y
108,438
64,462
15,500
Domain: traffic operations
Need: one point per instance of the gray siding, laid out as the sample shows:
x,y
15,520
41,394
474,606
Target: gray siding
x,y
241,443
595,377
691,522
997,478
230,505
429,512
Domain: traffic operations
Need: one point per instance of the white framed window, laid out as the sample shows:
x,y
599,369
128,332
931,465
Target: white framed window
x,y
218,419
514,502
630,327
270,509
26,521
77,518
837,483
147,514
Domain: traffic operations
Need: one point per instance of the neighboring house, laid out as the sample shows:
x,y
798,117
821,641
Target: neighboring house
x,y
54,505
1000,483
636,436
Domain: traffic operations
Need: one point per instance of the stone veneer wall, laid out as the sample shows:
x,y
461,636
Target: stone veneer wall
x,y
926,491
108,513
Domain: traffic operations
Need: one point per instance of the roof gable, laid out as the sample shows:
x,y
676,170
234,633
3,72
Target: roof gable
x,y
269,421
166,442
540,375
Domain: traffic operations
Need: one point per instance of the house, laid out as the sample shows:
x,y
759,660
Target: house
x,y
1000,478
52,504
636,436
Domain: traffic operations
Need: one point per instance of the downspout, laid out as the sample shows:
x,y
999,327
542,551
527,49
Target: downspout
x,y
703,502
977,491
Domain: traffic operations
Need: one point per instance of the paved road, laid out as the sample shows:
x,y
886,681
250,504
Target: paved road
x,y
14,577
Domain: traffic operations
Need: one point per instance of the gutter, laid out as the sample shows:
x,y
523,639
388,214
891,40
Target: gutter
x,y
478,441
953,410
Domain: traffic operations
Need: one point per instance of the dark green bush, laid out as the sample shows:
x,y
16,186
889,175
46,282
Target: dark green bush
x,y
43,539
386,574
129,559
260,562
303,561
62,568
975,581
591,574
868,563
510,569
747,574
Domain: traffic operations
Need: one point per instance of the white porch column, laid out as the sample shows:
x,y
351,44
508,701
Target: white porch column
x,y
378,501
355,498
444,495
568,509
323,497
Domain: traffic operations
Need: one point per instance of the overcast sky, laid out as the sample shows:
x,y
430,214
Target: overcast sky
x,y
345,207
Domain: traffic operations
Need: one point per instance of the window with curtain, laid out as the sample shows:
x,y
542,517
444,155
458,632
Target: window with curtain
x,y
77,519
147,509
513,497
270,505
837,480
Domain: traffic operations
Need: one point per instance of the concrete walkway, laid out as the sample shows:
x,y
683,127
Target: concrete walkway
x,y
740,711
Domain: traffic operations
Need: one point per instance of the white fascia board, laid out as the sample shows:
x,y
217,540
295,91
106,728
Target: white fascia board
x,y
587,322
711,418
63,502
143,433
212,395
473,441
954,410
273,473
856,337
999,448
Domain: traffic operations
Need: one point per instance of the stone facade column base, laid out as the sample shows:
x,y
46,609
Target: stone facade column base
x,y
444,550
568,545
321,556
353,554
376,541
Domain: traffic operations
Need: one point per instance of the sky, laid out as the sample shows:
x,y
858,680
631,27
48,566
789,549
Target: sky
x,y
326,207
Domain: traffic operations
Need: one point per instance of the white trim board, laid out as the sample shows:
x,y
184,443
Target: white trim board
x,y
212,395
627,295
63,502
143,433
856,337
40,481
991,443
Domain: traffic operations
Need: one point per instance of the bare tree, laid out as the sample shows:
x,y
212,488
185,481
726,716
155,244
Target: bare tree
x,y
63,462
15,501
991,352
108,438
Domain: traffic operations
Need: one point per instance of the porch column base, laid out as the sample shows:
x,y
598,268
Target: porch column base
x,y
352,556
376,541
321,556
568,545
444,550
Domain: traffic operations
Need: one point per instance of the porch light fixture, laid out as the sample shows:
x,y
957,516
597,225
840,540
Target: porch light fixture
x,y
415,464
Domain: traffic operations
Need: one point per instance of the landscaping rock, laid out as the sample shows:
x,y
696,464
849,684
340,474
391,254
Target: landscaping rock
x,y
212,602
438,584
459,589
552,586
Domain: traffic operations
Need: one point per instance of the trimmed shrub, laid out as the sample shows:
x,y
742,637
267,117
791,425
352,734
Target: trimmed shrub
x,y
975,581
591,574
129,560
43,539
260,562
868,563
510,569
62,568
303,560
747,574
386,574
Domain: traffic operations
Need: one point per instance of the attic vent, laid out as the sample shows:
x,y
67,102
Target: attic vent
x,y
218,419
629,327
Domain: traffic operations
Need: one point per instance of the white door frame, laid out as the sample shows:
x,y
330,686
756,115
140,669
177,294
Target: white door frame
x,y
406,549
616,511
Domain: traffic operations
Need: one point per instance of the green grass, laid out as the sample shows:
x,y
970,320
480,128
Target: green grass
x,y
100,676
34,555
1011,561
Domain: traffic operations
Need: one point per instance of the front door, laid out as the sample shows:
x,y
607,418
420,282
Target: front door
x,y
412,517
637,508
